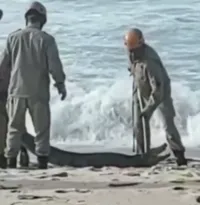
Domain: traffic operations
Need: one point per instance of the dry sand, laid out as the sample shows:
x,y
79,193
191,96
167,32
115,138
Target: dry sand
x,y
162,184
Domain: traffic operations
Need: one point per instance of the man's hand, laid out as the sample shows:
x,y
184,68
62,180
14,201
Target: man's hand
x,y
130,71
143,114
61,90
146,112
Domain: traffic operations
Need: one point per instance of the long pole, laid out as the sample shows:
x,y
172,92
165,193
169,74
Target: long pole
x,y
143,122
134,118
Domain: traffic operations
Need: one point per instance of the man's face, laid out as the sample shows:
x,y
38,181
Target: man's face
x,y
127,44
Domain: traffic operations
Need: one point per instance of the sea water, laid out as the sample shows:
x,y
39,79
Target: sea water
x,y
89,34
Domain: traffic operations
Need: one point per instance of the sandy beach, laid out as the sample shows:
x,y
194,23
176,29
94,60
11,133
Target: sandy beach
x,y
164,183
97,113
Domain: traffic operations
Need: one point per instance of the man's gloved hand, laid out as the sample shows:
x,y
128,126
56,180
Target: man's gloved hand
x,y
61,90
146,112
143,114
130,71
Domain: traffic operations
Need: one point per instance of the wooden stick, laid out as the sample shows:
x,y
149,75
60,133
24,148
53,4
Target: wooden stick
x,y
143,122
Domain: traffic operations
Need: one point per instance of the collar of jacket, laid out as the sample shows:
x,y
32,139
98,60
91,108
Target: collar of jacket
x,y
33,26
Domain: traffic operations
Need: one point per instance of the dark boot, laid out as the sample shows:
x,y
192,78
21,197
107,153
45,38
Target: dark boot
x,y
24,157
180,157
42,162
12,163
3,162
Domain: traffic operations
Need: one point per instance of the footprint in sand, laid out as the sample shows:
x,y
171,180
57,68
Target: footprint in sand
x,y
15,191
61,174
81,201
106,174
115,180
83,191
94,169
124,184
188,174
55,179
42,177
198,199
179,168
33,197
15,203
9,188
178,181
61,191
179,188
132,174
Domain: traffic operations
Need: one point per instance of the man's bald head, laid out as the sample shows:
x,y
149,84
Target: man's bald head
x,y
134,38
137,32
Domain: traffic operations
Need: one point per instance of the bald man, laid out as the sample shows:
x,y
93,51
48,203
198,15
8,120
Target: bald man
x,y
153,83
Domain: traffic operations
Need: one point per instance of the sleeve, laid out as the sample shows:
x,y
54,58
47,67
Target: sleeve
x,y
130,62
54,62
156,81
5,61
129,66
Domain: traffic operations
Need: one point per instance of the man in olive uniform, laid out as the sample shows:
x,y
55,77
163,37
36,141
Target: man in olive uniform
x,y
3,114
1,14
153,83
31,54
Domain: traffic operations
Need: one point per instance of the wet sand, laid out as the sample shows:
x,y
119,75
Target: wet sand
x,y
164,183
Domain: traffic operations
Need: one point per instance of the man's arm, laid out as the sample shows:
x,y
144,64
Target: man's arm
x,y
54,63
156,81
5,61
56,68
131,63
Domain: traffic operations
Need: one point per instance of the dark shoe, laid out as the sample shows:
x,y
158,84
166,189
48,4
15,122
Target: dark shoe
x,y
42,162
180,158
24,157
3,162
12,163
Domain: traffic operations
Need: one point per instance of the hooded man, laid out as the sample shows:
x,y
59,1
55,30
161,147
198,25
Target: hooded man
x,y
153,83
30,55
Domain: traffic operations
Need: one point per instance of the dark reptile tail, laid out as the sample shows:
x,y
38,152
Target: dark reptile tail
x,y
74,159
